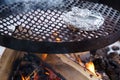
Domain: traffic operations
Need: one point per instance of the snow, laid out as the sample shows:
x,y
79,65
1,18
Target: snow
x,y
114,44
2,49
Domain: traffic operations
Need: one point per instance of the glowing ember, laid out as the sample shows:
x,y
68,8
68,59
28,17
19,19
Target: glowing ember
x,y
58,39
44,56
47,73
90,66
36,77
55,34
25,78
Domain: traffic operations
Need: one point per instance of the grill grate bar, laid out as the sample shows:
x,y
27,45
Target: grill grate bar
x,y
111,14
104,10
46,25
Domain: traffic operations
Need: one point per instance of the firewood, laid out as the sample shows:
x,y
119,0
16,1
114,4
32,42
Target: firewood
x,y
69,69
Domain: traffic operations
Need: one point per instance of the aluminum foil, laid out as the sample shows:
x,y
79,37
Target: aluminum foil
x,y
83,19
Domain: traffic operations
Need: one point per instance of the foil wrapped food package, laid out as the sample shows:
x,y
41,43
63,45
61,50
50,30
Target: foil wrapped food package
x,y
83,19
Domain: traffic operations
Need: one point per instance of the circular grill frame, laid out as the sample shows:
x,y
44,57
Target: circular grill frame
x,y
66,46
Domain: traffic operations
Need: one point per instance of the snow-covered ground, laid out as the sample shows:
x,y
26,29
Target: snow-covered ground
x,y
1,50
114,44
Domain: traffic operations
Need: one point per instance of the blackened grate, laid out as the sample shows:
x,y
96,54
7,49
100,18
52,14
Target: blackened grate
x,y
46,27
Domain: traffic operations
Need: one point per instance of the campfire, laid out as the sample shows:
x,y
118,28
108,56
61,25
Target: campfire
x,y
103,65
68,35
31,67
34,67
91,67
84,60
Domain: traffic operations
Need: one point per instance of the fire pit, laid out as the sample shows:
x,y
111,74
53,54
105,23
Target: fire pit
x,y
103,65
39,27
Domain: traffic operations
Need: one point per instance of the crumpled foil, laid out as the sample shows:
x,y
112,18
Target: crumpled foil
x,y
83,19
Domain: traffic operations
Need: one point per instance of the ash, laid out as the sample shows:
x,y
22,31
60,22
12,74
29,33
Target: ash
x,y
83,19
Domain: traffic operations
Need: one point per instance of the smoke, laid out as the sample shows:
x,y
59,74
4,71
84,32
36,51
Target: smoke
x,y
41,4
46,3
14,1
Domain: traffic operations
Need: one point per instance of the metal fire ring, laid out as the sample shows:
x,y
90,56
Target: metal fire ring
x,y
41,29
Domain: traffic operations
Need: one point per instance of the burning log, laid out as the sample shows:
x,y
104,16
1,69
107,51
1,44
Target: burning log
x,y
64,66
84,60
90,66
31,67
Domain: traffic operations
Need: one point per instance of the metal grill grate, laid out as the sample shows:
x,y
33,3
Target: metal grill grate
x,y
38,24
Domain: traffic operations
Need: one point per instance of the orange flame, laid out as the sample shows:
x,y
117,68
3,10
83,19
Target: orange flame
x,y
55,34
58,39
91,67
44,56
23,78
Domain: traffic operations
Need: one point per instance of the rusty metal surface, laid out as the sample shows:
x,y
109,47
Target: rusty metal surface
x,y
40,29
